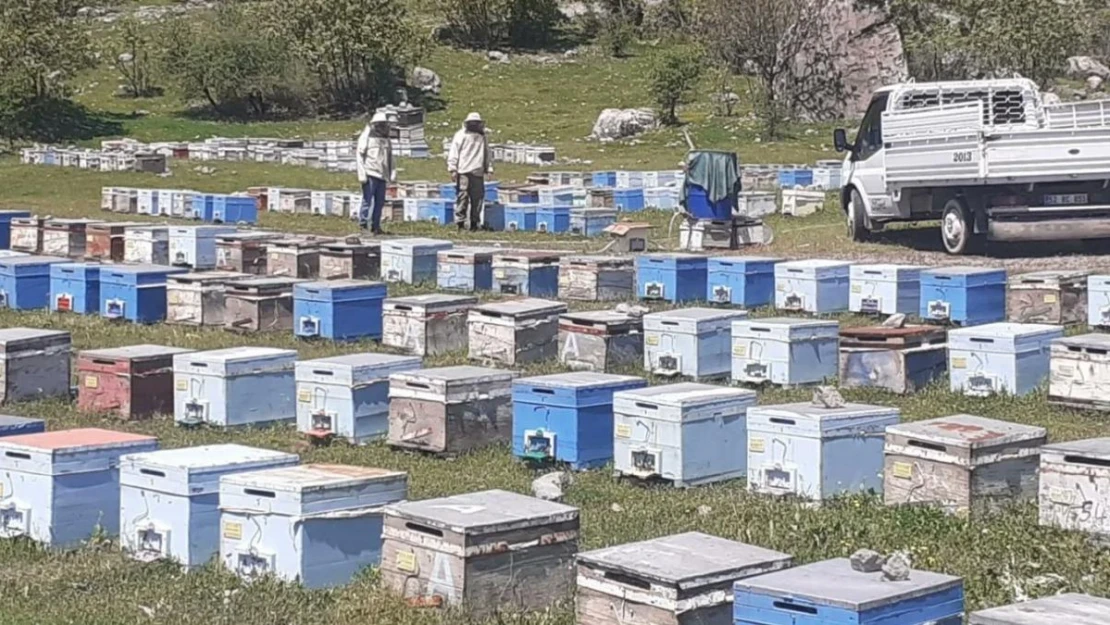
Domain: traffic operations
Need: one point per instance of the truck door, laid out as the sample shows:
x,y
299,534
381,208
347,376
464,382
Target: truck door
x,y
868,161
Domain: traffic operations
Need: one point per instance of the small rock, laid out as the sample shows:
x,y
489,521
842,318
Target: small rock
x,y
866,561
1083,66
1094,83
426,80
550,487
497,56
827,397
897,320
1050,99
126,57
616,507
897,567
704,510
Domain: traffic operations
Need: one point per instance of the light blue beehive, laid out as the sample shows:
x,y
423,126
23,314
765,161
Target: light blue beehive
x,y
169,500
885,289
688,433
62,486
17,426
25,281
694,342
465,269
815,452
812,285
591,222
832,592
317,524
234,387
785,351
195,246
411,261
1011,358
338,310
963,295
1098,300
348,396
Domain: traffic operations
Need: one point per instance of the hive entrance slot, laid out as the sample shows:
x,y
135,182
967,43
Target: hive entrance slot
x,y
424,529
269,494
927,445
792,607
152,472
17,454
1094,462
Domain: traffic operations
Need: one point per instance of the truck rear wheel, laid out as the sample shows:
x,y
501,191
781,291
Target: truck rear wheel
x,y
957,228
857,218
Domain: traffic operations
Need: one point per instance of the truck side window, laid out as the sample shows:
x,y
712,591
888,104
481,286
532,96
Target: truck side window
x,y
870,139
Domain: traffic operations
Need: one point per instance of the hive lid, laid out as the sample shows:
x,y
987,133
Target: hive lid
x,y
578,379
432,299
820,414
598,260
208,456
1096,448
600,316
522,306
790,322
699,314
233,354
311,477
208,276
134,352
968,431
814,263
1005,329
482,512
964,271
366,359
465,373
1051,276
672,255
340,285
686,394
1069,609
835,583
20,261
14,339
1096,340
687,560
76,440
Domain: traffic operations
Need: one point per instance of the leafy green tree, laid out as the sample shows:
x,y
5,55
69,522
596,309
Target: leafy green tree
x,y
137,55
487,24
671,80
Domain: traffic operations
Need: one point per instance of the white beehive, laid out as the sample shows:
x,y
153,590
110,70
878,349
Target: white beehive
x,y
1079,371
784,351
694,342
1070,608
1075,486
997,358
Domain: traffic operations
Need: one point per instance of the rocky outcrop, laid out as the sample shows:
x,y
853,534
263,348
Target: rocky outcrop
x,y
620,123
1084,67
426,80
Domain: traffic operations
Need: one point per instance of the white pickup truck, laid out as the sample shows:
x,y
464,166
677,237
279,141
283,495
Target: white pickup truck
x,y
988,158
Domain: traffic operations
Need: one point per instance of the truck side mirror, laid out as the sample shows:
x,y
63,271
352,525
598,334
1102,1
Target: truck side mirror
x,y
840,140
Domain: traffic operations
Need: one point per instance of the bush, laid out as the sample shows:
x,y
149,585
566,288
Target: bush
x,y
619,25
672,77
487,24
136,56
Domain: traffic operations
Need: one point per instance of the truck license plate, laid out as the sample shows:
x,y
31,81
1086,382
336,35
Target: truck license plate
x,y
1065,199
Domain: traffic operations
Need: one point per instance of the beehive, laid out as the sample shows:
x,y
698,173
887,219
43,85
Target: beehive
x,y
169,500
485,552
295,257
26,234
61,487
351,259
567,417
1071,608
427,325
17,426
832,592
1098,300
815,452
784,351
195,246
235,386
65,237
291,522
885,289
244,252
450,409
514,332
199,298
339,310
25,281
813,286
671,277
596,278
136,293
412,261
1074,491
747,281
105,241
131,382
962,463
147,245
694,342
1057,297
529,273
34,364
6,217
75,287
466,269
521,217
591,222
600,340
687,433
963,295
347,396
683,579
995,358
901,360
1079,368
259,305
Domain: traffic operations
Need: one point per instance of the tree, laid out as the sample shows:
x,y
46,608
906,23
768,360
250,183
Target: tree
x,y
671,80
137,55
619,22
487,24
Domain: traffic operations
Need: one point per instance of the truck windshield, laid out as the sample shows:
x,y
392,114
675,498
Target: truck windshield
x,y
870,137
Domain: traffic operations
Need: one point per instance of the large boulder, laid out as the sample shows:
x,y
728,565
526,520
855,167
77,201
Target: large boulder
x,y
614,124
426,80
1085,66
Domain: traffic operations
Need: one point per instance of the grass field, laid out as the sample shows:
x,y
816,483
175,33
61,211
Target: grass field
x,y
1001,557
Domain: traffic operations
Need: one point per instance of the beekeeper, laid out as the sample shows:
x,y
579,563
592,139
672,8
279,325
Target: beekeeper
x,y
469,161
375,171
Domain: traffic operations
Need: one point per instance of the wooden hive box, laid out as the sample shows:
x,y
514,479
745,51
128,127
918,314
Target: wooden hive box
x,y
34,364
962,463
531,273
1057,297
466,269
1078,371
427,325
26,234
1070,608
351,259
450,410
600,340
244,252
295,257
133,382
65,237
260,305
684,579
198,298
515,332
105,242
1075,486
901,360
597,278
148,245
485,552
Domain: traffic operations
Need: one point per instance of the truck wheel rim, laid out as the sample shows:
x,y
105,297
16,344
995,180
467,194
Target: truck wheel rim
x,y
953,228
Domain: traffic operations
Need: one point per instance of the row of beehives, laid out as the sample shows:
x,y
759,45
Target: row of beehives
x,y
100,160
209,207
824,176
518,153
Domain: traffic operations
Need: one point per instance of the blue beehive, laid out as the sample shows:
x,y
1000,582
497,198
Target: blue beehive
x,y
694,342
60,487
411,261
671,277
557,196
235,386
234,209
466,269
170,499
6,217
340,310
828,592
447,190
628,200
526,272
666,198
25,281
136,293
813,286
16,426
963,295
698,204
75,287
747,281
567,417
199,206
318,524
437,211
791,178
1011,358
492,188
553,219
605,179
885,289
591,222
520,217
493,216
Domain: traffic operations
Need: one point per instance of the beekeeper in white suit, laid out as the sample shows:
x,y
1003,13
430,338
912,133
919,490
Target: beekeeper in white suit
x,y
469,161
375,170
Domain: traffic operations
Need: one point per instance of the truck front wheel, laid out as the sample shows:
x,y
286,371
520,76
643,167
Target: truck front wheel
x,y
957,228
857,218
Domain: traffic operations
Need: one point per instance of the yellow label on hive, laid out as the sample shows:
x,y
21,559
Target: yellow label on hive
x,y
233,531
781,286
740,350
857,288
651,339
902,470
406,561
182,385
756,444
624,430
959,363
499,274
1050,298
91,381
304,395
1,489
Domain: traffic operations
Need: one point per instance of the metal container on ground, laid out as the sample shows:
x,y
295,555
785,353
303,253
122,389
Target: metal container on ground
x,y
1079,369
747,281
244,251
964,296
817,453
75,287
62,487
1071,608
25,281
136,293
526,272
351,259
105,241
260,304
450,410
671,277
483,552
885,289
65,237
295,257
682,579
686,433
567,417
597,278
813,286
412,261
195,246
962,463
1010,358
293,522
692,342
347,396
427,325
514,332
199,298
134,382
338,310
601,340
169,499
1057,297
17,426
26,234
900,360
1074,492
784,351
147,245
235,386
34,364
466,269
